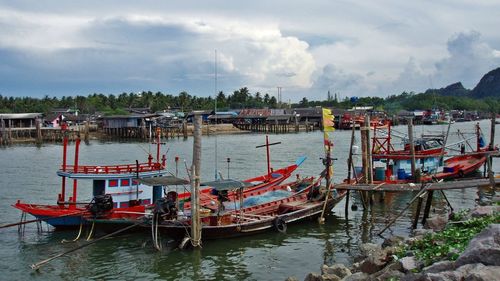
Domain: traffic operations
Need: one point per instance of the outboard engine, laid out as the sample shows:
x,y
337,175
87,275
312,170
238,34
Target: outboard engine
x,y
101,204
166,206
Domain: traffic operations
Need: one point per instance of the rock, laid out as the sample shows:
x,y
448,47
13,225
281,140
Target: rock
x,y
484,274
484,248
476,272
330,277
414,277
358,276
422,232
397,275
313,277
373,263
436,223
439,266
292,278
337,269
393,241
408,263
483,211
369,248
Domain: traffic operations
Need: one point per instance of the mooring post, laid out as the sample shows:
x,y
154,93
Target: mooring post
x,y
195,183
366,167
417,214
428,204
412,149
347,204
184,129
491,147
349,160
38,131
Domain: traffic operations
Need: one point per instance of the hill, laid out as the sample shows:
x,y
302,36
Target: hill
x,y
488,86
453,90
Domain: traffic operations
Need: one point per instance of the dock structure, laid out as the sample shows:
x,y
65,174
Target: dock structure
x,y
410,187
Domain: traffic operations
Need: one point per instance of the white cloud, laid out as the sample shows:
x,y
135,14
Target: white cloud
x,y
354,48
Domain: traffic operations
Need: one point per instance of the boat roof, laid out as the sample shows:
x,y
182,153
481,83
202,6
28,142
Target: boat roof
x,y
165,180
226,184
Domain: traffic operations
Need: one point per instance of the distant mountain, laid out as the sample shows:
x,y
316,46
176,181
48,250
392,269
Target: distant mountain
x,y
488,86
455,90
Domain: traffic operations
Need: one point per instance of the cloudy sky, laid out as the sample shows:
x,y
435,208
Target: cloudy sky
x,y
353,48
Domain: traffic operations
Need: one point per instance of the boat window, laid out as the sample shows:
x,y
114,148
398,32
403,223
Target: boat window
x,y
98,187
125,182
113,183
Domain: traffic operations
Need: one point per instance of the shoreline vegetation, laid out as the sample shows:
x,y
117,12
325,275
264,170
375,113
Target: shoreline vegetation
x,y
461,246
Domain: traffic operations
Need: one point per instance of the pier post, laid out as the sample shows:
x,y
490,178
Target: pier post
x,y
184,129
195,183
412,149
39,138
428,204
491,147
417,214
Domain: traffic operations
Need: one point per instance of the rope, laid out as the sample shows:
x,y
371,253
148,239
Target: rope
x,y
77,237
91,231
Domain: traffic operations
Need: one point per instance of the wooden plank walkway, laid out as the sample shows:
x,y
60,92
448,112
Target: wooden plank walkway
x,y
458,184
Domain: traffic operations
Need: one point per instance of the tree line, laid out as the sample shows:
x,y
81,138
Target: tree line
x,y
242,98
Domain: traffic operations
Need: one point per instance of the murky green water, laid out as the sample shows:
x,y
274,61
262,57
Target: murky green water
x,y
28,173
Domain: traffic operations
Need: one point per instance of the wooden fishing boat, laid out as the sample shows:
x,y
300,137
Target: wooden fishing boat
x,y
305,201
273,215
119,188
394,166
113,187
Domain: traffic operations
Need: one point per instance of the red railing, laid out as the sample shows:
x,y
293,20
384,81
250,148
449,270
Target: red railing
x,y
115,169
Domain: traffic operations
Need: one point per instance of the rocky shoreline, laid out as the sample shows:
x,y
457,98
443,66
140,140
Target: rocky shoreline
x,y
398,258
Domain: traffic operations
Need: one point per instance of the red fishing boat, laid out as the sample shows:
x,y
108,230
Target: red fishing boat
x,y
394,166
119,188
113,187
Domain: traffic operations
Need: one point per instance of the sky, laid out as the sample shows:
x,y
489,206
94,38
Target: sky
x,y
351,48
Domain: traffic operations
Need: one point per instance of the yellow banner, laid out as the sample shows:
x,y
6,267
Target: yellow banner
x,y
328,120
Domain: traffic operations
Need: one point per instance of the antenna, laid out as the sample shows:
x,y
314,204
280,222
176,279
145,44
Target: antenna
x,y
215,112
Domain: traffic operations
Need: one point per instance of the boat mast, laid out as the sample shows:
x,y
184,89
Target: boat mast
x,y
62,196
75,181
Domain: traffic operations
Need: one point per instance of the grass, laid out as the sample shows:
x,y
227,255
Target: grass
x,y
451,242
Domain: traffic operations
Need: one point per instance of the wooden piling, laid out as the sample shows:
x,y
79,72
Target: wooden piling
x,y
428,204
184,129
417,214
412,149
491,147
195,183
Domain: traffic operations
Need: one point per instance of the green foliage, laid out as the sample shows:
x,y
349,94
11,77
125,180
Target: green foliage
x,y
239,99
449,243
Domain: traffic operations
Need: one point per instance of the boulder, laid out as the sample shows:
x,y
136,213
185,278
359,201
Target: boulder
x,y
409,263
486,273
483,211
484,248
436,223
393,241
476,272
439,266
313,277
337,269
369,248
373,263
394,274
358,276
292,278
330,277
421,232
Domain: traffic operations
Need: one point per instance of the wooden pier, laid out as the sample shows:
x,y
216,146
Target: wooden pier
x,y
409,187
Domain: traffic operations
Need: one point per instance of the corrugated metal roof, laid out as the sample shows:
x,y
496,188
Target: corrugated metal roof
x,y
20,115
